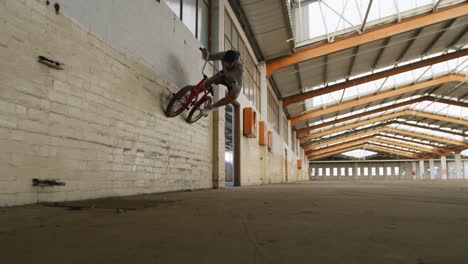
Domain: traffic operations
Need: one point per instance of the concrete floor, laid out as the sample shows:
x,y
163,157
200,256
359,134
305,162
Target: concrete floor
x,y
314,222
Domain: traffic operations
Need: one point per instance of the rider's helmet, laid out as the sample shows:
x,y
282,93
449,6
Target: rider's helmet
x,y
231,56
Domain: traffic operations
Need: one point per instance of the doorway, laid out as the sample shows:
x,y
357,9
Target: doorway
x,y
232,145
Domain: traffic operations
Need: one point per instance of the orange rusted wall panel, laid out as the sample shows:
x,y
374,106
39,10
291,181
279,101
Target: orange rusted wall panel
x,y
263,133
250,122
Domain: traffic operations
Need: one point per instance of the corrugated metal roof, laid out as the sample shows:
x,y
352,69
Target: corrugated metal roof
x,y
269,23
270,26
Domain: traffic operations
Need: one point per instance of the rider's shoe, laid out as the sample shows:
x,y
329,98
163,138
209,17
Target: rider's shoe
x,y
207,110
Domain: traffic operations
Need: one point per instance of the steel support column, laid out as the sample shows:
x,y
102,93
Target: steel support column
x,y
422,170
443,167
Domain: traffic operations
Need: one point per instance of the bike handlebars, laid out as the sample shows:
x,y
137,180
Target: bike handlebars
x,y
203,69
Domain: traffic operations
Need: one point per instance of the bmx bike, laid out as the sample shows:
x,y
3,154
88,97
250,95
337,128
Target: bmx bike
x,y
192,98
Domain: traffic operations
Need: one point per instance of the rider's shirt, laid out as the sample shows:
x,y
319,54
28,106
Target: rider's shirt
x,y
236,72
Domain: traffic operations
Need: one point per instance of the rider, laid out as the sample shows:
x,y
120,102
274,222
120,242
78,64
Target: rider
x,y
230,76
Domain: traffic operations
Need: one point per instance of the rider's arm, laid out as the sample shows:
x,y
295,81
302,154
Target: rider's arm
x,y
216,56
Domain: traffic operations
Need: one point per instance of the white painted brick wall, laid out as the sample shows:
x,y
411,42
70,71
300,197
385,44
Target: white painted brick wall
x,y
147,30
97,125
276,163
251,164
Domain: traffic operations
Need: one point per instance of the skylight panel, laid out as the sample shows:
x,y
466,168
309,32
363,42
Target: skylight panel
x,y
318,29
465,152
359,153
325,19
381,9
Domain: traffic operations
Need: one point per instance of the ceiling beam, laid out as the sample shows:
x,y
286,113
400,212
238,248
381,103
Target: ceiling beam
x,y
381,119
336,152
414,141
354,125
372,77
404,122
351,132
426,126
370,133
442,118
370,139
366,131
367,37
395,148
392,151
439,149
388,133
426,137
367,146
380,137
381,109
409,146
346,144
378,97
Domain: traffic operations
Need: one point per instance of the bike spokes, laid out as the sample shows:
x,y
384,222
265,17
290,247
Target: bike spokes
x,y
179,101
197,111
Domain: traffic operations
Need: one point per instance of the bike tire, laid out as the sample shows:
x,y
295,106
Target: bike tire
x,y
196,111
173,109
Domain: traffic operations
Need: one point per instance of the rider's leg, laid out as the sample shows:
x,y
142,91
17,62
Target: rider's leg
x,y
231,97
233,93
215,79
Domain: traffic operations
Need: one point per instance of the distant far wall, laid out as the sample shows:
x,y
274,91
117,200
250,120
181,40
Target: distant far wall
x,y
379,170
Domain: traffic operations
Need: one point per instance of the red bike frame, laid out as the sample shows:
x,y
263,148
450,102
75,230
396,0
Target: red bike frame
x,y
199,88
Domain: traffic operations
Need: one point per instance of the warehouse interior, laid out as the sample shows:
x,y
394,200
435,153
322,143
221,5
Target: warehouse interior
x,y
347,144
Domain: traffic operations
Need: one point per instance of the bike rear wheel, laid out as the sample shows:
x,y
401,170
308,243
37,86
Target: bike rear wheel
x,y
196,112
179,101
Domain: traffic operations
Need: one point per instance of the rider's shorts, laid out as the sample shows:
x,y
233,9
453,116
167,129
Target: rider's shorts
x,y
233,87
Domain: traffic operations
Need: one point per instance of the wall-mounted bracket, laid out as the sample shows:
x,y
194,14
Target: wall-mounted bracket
x,y
50,63
39,182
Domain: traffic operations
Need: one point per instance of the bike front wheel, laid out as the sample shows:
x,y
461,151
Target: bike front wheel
x,y
197,111
179,101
